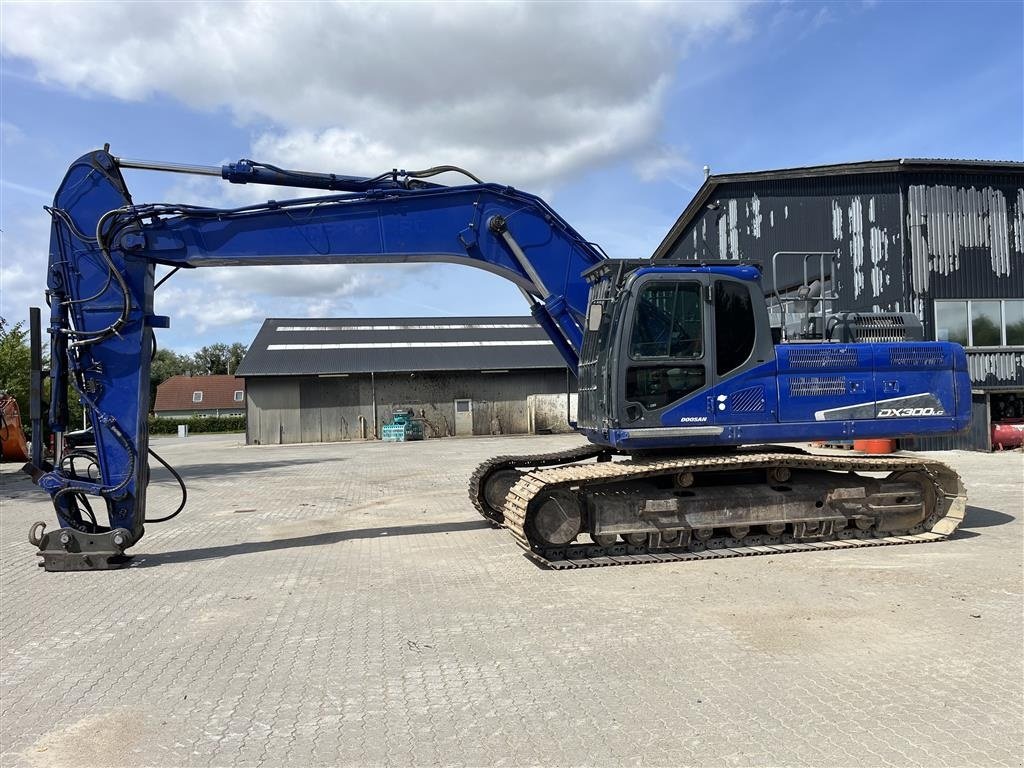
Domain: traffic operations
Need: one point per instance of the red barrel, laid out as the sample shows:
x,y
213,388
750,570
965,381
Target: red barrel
x,y
1008,434
874,446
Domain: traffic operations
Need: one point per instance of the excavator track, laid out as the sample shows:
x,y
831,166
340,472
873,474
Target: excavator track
x,y
945,508
515,466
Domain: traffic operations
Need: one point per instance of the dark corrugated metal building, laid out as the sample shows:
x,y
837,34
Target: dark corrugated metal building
x,y
941,238
330,379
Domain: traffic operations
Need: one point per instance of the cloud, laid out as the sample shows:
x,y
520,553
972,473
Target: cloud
x,y
234,300
26,189
530,93
11,134
23,249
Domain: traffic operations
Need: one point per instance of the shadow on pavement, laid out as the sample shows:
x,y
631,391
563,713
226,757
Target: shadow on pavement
x,y
233,469
313,540
979,517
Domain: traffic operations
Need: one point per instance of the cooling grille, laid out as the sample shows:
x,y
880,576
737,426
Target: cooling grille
x,y
822,358
916,357
815,386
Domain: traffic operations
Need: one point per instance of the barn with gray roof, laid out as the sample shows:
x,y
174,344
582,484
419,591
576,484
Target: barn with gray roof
x,y
333,379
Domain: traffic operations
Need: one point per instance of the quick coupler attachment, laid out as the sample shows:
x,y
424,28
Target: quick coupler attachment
x,y
67,549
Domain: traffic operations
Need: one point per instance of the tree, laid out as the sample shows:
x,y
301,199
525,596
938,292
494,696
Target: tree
x,y
15,367
235,354
15,361
219,359
165,364
212,360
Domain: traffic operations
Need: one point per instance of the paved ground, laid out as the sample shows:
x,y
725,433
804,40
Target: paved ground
x,y
342,604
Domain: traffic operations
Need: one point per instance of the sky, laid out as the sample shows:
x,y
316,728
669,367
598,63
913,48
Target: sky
x,y
608,111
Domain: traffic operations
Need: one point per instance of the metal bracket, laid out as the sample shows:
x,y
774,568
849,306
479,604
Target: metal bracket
x,y
67,549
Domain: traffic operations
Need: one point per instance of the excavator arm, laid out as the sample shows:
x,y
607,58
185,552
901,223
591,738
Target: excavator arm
x,y
104,250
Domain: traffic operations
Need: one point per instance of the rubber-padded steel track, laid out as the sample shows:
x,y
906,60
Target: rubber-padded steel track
x,y
477,483
951,503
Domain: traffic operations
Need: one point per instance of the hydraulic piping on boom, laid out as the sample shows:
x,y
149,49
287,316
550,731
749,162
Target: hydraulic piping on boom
x,y
680,373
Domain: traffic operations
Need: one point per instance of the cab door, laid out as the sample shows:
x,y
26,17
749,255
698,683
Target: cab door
x,y
743,356
664,352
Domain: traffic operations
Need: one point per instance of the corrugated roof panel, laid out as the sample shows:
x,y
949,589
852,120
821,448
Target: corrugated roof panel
x,y
318,346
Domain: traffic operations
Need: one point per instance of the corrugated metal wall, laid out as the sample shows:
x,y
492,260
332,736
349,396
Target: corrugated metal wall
x,y
977,437
904,239
858,215
298,409
965,234
997,369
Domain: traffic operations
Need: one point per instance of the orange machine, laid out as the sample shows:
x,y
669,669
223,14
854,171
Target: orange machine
x,y
12,436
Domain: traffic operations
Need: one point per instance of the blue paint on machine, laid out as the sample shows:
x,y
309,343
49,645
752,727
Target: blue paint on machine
x,y
670,355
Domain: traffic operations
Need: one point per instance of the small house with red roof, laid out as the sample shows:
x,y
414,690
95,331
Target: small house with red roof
x,y
184,396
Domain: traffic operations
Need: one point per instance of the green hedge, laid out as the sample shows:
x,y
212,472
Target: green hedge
x,y
197,424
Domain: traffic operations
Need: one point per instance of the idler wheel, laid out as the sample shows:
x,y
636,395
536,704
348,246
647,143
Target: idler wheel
x,y
496,488
557,518
703,534
670,538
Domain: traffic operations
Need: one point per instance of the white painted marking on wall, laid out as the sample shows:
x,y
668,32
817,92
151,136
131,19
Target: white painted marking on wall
x,y
734,230
837,220
856,214
1018,230
755,218
879,247
771,218
944,221
723,235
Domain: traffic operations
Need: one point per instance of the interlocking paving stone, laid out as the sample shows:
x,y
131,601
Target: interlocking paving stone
x,y
344,605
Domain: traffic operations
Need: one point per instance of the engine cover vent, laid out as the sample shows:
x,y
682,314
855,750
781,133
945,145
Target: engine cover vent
x,y
823,358
850,327
817,386
917,357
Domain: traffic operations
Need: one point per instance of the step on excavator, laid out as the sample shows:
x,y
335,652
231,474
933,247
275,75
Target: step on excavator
x,y
687,393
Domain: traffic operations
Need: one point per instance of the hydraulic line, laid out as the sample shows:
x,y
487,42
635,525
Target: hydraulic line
x,y
85,338
181,483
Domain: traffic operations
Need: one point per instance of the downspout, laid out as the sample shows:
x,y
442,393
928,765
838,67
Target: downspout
x,y
373,398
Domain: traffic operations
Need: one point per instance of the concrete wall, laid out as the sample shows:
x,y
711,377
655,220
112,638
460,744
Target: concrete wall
x,y
209,412
551,414
297,409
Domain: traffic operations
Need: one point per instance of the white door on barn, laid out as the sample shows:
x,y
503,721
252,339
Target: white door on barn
x,y
463,418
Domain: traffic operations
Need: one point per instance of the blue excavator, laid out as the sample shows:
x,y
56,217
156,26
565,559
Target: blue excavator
x,y
686,390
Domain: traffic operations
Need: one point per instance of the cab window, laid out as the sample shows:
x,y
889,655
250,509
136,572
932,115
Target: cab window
x,y
668,322
734,325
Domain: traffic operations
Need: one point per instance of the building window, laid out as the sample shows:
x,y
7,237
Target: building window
x,y
980,322
239,395
951,321
197,397
1013,320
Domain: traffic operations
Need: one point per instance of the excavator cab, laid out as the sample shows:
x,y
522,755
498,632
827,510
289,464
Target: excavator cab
x,y
661,339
